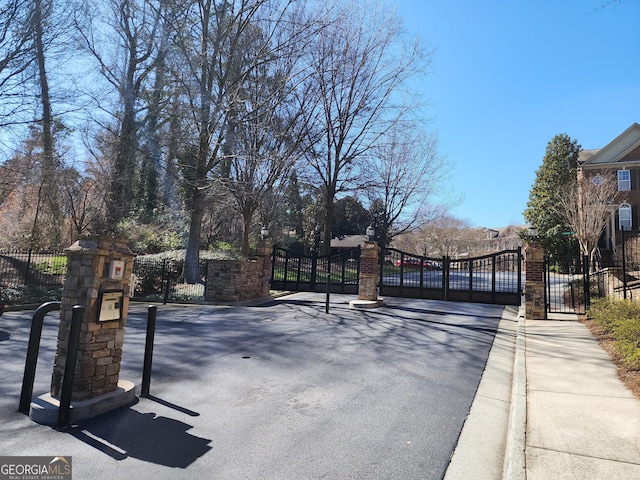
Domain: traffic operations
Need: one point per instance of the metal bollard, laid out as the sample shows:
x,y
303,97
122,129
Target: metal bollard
x,y
32,354
148,351
70,367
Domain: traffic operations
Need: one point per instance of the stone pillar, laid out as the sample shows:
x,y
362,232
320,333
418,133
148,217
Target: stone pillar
x,y
534,281
98,278
265,250
368,281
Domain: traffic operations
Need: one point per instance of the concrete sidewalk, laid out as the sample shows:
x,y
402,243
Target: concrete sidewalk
x,y
581,421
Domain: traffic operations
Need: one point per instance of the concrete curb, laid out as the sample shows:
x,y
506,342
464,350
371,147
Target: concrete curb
x,y
481,449
515,459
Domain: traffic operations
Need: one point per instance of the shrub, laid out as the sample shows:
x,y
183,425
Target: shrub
x,y
30,294
621,320
627,342
609,313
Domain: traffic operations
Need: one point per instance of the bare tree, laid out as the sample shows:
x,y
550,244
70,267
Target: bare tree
x,y
405,173
586,205
267,127
16,56
216,70
122,41
448,236
359,64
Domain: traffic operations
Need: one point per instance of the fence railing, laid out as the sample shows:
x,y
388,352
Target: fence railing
x,y
620,277
32,268
36,277
164,280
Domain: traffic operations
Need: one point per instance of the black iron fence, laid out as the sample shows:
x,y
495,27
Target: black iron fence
x,y
615,273
31,277
165,280
32,268
36,277
492,278
337,273
619,276
566,286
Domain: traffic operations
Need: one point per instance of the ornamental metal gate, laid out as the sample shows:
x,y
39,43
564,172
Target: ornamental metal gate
x,y
337,273
566,287
494,278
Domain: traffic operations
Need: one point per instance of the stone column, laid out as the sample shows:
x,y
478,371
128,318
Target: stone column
x,y
534,281
264,258
98,277
368,281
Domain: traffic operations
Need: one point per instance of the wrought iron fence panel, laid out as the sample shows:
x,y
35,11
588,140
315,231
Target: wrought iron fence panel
x,y
493,278
164,280
32,268
338,272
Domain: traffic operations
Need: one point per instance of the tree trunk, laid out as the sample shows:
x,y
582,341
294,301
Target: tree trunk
x,y
246,225
48,155
192,255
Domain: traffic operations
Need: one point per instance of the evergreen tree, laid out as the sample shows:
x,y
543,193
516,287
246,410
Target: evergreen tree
x,y
558,170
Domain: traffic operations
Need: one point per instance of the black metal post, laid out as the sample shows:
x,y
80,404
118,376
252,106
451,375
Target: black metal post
x,y
32,354
70,367
446,265
167,289
470,279
493,278
624,266
286,271
586,283
26,272
520,259
546,281
314,270
273,264
148,350
326,303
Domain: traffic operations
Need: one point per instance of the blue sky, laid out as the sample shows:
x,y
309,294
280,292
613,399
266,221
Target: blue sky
x,y
510,75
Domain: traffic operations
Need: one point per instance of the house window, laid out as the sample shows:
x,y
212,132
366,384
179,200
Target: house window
x,y
624,180
624,214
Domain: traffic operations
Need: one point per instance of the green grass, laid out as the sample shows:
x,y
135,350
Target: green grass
x,y
620,319
53,266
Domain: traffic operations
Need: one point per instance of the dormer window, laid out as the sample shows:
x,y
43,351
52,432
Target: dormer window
x,y
624,180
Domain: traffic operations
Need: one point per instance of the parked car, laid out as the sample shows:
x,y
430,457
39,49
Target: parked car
x,y
408,262
429,265
414,262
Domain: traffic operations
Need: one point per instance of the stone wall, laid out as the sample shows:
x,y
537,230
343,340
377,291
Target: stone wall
x,y
239,280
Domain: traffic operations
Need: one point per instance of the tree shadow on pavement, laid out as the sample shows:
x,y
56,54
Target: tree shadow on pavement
x,y
126,433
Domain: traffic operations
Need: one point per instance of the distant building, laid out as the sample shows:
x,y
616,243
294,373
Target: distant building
x,y
347,242
489,240
621,157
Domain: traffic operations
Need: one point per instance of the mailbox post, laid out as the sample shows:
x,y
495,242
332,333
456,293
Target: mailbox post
x,y
98,278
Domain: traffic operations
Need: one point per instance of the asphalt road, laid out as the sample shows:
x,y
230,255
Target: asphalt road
x,y
277,391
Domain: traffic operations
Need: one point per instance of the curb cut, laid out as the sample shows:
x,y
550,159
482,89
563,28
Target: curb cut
x,y
515,460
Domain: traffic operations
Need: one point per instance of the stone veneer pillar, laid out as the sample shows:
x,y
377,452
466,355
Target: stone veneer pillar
x,y
264,258
97,267
535,307
368,281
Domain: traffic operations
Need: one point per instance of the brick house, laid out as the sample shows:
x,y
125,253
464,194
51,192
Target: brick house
x,y
621,157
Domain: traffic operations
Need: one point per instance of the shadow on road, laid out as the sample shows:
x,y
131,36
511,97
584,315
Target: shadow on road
x,y
127,433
